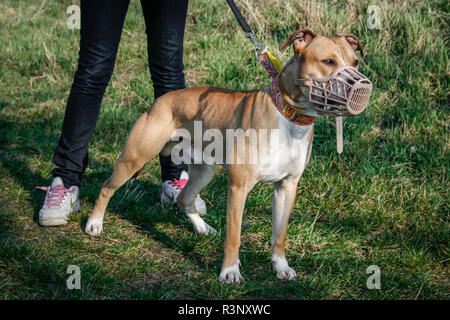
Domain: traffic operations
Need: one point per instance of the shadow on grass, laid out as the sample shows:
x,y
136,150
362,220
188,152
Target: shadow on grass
x,y
147,213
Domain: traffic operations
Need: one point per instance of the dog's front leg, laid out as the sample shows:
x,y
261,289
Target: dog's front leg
x,y
235,208
283,201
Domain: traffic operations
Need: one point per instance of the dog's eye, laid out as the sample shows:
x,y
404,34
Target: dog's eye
x,y
329,62
355,63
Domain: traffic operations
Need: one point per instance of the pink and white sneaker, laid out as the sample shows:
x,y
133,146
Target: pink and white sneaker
x,y
172,188
59,203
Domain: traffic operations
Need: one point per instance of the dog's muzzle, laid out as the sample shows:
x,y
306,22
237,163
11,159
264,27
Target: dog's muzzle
x,y
345,92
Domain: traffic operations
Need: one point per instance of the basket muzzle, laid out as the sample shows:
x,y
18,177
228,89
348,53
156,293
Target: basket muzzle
x,y
346,92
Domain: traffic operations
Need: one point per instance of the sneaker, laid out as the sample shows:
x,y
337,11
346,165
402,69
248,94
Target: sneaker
x,y
172,188
59,203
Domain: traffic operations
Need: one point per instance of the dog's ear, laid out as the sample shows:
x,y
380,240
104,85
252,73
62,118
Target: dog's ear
x,y
300,39
353,41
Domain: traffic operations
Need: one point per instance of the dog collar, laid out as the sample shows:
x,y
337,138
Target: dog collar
x,y
273,67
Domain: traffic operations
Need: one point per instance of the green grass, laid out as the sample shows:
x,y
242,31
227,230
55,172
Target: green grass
x,y
377,203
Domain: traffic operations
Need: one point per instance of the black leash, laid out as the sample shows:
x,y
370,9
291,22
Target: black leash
x,y
246,28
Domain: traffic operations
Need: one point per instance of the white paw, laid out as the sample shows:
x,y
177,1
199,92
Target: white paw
x,y
231,274
281,267
288,274
200,225
94,227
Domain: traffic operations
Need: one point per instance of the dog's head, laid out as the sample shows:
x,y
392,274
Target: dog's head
x,y
321,57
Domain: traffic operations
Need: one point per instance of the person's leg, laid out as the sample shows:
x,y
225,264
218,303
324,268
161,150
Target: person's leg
x,y
101,28
165,22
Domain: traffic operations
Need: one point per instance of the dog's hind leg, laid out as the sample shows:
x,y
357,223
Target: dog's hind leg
x,y
283,201
199,176
145,141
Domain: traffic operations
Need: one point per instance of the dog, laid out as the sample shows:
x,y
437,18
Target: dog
x,y
314,56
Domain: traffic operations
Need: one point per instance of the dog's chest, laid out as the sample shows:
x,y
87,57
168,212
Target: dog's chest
x,y
288,154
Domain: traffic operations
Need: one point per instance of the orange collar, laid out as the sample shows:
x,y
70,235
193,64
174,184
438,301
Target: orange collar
x,y
285,110
281,104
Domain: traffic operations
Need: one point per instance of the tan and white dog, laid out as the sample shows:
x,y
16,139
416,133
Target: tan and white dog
x,y
223,109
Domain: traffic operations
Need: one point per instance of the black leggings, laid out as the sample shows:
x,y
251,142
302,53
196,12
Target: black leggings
x,y
101,28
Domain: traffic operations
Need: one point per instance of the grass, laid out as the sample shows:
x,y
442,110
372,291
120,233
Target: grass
x,y
381,202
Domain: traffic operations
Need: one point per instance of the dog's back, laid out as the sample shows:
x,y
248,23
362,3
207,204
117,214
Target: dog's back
x,y
217,108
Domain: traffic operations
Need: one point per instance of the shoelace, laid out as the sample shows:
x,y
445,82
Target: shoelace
x,y
55,195
179,184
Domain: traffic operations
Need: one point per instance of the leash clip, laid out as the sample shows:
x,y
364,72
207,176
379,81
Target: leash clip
x,y
259,47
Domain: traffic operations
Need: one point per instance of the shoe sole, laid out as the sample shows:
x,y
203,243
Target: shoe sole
x,y
52,222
